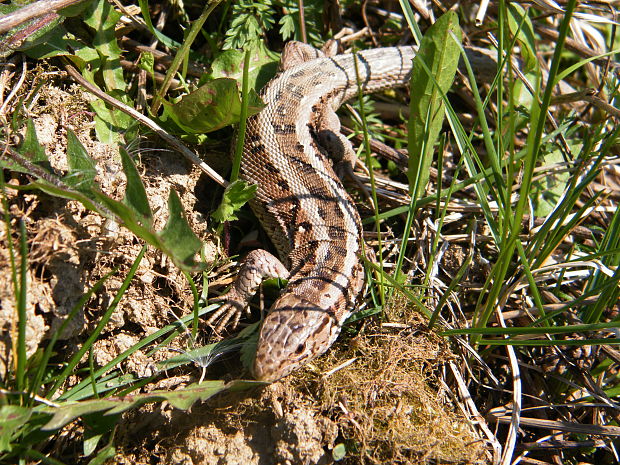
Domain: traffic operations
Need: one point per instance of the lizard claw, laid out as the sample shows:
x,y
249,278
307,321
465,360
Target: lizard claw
x,y
231,310
257,266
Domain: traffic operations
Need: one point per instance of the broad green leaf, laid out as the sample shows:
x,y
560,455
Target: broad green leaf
x,y
82,168
236,195
103,17
212,106
547,191
135,194
88,57
110,124
433,74
263,65
177,236
11,418
518,17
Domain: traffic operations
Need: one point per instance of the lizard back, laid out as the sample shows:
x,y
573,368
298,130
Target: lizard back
x,y
303,205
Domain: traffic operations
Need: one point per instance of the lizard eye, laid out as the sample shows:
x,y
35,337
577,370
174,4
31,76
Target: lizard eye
x,y
300,349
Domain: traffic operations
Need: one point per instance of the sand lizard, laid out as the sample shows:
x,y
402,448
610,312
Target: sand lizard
x,y
289,152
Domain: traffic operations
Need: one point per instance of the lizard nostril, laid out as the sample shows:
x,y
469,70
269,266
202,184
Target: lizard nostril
x,y
300,349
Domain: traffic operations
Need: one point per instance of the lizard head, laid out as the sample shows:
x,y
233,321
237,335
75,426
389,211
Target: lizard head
x,y
294,332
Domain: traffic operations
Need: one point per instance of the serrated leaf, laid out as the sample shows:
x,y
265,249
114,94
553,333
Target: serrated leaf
x,y
82,168
212,106
236,195
177,236
432,76
135,194
182,399
11,418
103,17
176,239
31,149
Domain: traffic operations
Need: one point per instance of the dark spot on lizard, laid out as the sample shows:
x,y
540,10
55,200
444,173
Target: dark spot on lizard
x,y
254,149
271,168
306,168
283,128
336,232
283,184
281,110
305,225
338,251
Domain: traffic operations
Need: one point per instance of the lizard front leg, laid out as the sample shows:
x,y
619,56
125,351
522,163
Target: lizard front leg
x,y
257,266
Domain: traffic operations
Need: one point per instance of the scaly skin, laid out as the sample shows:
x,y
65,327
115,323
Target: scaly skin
x,y
289,151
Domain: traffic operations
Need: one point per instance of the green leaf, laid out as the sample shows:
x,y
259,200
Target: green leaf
x,y
104,455
263,65
31,146
82,168
236,195
339,452
28,34
102,17
547,191
212,106
176,239
56,43
31,149
135,194
182,399
110,123
164,39
12,417
177,236
521,25
147,62
433,74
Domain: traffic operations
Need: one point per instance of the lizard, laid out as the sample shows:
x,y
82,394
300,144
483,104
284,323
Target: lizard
x,y
291,149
